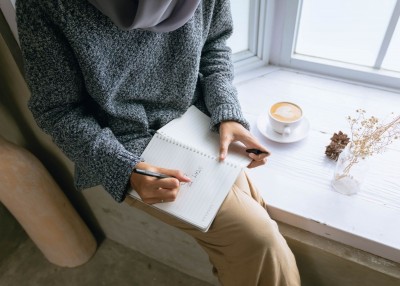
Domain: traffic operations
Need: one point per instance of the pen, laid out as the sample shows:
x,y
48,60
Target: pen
x,y
257,152
150,173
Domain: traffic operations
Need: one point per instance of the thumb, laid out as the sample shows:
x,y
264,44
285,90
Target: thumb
x,y
179,175
223,147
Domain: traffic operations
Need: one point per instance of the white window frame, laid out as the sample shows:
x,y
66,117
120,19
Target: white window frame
x,y
283,42
260,33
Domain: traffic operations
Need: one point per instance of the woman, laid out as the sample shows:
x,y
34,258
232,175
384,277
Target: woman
x,y
106,74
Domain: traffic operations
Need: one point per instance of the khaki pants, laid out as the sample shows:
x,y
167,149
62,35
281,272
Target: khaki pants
x,y
243,243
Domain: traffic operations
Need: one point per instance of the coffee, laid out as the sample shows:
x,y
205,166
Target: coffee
x,y
286,112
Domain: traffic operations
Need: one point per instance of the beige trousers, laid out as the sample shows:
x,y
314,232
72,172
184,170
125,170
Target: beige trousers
x,y
243,244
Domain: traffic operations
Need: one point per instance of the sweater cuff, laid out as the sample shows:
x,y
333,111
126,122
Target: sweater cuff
x,y
116,181
227,112
116,174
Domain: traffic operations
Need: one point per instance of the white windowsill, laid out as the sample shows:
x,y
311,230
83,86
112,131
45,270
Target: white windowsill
x,y
296,180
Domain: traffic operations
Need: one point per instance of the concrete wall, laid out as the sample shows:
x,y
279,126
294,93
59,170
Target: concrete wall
x,y
11,234
321,261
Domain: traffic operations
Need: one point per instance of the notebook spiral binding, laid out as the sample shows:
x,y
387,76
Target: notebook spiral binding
x,y
171,140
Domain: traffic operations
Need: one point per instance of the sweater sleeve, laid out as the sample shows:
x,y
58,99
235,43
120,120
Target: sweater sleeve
x,y
62,108
216,69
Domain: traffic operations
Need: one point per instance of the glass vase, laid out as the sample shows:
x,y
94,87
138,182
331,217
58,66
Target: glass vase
x,y
350,172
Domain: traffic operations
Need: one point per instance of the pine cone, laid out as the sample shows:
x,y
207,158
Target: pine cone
x,y
333,150
338,142
340,138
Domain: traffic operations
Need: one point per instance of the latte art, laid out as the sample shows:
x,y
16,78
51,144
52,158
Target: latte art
x,y
286,112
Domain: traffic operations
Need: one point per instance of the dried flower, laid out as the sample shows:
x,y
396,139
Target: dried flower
x,y
370,136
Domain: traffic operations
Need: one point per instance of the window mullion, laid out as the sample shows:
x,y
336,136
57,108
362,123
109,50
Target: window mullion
x,y
388,36
260,35
290,14
261,27
254,26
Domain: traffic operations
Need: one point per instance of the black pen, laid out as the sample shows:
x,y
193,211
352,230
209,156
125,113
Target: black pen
x,y
257,151
150,173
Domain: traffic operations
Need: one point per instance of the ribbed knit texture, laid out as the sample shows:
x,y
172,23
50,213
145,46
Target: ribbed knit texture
x,y
102,92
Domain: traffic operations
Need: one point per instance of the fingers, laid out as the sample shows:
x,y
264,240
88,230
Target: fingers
x,y
252,143
259,157
168,184
231,131
177,174
160,195
256,163
160,190
155,190
258,160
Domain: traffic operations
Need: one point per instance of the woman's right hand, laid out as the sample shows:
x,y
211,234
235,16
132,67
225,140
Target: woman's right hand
x,y
154,190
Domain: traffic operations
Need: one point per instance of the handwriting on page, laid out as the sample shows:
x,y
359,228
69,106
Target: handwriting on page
x,y
198,201
195,174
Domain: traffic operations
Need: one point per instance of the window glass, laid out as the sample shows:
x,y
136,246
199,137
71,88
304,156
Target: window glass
x,y
349,31
239,41
392,59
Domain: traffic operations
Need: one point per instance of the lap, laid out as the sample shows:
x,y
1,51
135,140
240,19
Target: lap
x,y
242,212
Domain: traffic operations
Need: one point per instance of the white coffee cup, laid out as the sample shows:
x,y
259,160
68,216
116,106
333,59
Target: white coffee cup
x,y
285,117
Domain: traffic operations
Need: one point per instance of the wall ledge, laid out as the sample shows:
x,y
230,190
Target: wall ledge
x,y
360,257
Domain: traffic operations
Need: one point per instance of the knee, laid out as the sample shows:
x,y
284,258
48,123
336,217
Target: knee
x,y
270,241
263,237
16,156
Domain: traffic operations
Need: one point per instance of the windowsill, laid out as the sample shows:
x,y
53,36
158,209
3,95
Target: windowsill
x,y
296,180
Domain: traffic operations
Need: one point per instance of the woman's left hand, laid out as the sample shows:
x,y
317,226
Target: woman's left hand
x,y
232,131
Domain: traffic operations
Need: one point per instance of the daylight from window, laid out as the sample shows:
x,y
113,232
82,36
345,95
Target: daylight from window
x,y
348,31
392,59
239,41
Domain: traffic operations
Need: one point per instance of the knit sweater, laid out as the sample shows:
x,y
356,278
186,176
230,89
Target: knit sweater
x,y
101,92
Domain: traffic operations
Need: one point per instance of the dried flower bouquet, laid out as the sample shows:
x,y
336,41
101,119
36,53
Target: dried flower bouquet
x,y
369,136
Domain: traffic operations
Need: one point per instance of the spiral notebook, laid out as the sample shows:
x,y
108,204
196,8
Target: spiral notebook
x,y
187,144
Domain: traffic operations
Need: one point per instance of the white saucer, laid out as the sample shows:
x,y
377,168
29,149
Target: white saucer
x,y
298,134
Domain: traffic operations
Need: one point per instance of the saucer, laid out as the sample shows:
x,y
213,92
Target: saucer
x,y
298,134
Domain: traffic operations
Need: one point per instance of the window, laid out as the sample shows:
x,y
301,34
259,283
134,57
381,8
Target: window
x,y
392,59
356,40
251,25
339,30
239,41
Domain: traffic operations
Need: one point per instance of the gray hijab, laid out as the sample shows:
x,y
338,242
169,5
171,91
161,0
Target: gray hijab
x,y
153,15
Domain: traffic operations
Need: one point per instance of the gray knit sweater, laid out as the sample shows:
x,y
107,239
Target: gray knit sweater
x,y
101,92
